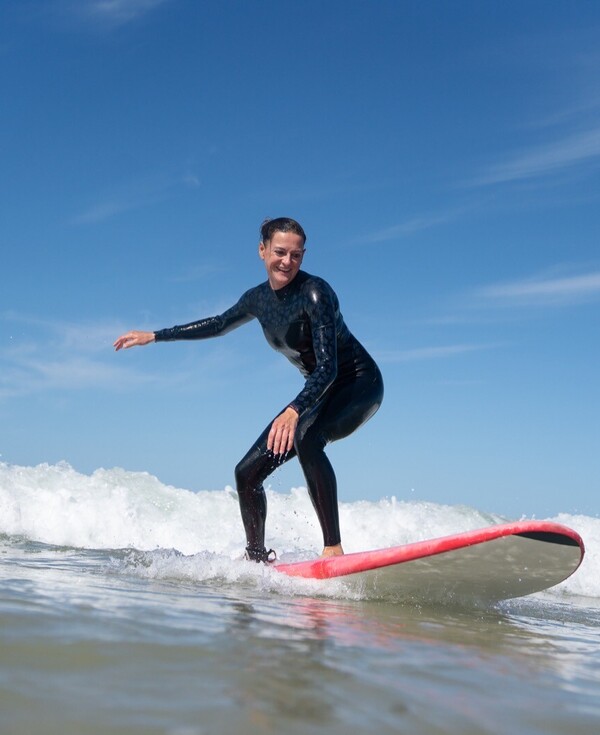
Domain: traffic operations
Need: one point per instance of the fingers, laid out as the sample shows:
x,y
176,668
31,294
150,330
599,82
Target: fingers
x,y
281,435
281,440
125,341
131,339
120,343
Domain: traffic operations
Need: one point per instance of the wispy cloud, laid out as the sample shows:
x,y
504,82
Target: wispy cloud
x,y
36,373
41,355
544,290
409,227
135,194
83,337
108,13
580,149
57,355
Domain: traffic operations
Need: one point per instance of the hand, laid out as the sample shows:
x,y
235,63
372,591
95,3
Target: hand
x,y
281,436
131,339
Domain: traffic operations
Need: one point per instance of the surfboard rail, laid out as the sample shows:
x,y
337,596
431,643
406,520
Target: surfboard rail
x,y
358,562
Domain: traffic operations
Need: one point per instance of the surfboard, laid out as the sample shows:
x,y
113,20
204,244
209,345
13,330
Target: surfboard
x,y
486,565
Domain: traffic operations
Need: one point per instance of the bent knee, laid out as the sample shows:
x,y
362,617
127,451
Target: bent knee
x,y
242,473
253,469
309,441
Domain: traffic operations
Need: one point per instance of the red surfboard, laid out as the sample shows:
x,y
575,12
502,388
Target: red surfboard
x,y
490,564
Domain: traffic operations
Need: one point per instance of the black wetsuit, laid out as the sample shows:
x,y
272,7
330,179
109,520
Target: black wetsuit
x,y
343,389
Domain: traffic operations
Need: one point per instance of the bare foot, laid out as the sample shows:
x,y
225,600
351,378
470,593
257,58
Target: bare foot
x,y
332,551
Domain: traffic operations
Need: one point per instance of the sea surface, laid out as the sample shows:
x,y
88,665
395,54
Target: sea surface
x,y
125,609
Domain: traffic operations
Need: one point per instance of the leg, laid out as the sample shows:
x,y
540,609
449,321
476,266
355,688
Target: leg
x,y
344,409
250,474
320,481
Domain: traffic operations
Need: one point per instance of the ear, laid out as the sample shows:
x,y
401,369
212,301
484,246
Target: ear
x,y
261,250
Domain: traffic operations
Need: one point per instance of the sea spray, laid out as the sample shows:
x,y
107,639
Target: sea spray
x,y
115,508
198,535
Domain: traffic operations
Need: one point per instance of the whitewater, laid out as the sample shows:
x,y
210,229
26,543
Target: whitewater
x,y
125,608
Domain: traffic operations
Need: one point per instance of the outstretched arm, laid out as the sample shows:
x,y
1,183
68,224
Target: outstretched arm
x,y
131,339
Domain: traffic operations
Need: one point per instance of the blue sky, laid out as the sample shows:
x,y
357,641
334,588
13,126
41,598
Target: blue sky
x,y
444,159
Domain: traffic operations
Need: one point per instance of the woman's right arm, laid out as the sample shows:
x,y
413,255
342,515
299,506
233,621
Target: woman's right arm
x,y
213,326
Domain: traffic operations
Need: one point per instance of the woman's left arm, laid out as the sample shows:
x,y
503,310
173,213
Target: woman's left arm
x,y
323,313
283,430
321,310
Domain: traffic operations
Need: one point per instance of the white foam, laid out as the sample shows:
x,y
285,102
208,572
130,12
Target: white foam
x,y
117,509
586,581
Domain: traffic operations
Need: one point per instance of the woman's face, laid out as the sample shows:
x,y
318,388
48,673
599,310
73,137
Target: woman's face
x,y
283,255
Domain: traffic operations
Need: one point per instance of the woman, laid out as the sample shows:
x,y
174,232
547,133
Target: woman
x,y
300,317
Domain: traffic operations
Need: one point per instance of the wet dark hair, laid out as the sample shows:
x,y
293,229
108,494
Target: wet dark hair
x,y
280,224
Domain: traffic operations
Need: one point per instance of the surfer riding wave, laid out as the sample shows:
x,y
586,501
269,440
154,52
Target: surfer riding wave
x,y
300,317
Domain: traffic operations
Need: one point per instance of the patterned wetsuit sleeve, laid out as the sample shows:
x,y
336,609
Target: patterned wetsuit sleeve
x,y
213,326
322,313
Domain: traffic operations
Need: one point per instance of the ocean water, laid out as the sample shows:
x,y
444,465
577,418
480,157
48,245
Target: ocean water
x,y
124,608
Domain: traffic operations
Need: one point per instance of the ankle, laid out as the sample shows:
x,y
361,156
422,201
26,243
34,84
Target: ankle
x,y
260,555
336,550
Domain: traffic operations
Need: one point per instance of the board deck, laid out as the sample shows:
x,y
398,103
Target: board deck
x,y
489,564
